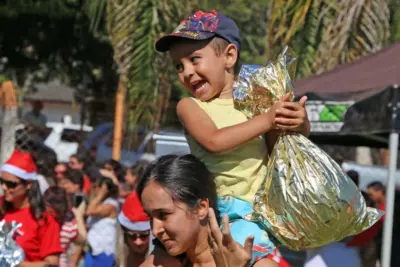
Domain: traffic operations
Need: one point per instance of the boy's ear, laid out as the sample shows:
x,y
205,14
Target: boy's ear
x,y
231,55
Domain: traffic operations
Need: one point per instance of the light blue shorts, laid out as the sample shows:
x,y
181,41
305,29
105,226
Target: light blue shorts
x,y
241,228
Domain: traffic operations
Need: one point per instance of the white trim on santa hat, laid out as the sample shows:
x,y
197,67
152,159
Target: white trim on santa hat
x,y
20,173
133,226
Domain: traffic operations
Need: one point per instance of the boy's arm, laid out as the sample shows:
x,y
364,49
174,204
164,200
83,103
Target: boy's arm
x,y
201,127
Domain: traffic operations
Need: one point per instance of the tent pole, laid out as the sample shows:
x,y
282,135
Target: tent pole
x,y
391,187
390,193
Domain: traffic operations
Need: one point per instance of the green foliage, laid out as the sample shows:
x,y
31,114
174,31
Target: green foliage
x,y
327,33
42,46
77,40
394,7
53,8
3,78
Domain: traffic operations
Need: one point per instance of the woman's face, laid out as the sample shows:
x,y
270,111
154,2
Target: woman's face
x,y
130,178
173,223
15,190
69,186
108,167
137,241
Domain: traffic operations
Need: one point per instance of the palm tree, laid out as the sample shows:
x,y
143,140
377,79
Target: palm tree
x,y
133,26
326,33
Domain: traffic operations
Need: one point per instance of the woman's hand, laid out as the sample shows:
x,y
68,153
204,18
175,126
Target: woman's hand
x,y
109,174
79,212
226,251
103,192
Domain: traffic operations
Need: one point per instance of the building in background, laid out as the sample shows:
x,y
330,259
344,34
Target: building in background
x,y
58,101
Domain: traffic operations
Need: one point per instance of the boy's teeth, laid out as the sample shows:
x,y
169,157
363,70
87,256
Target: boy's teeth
x,y
199,85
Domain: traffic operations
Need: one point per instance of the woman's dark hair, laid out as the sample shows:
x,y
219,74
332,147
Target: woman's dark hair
x,y
117,168
186,178
56,198
354,176
45,162
36,202
113,190
75,176
139,168
377,186
81,156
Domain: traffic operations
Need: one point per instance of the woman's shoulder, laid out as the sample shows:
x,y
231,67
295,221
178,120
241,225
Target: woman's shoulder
x,y
161,258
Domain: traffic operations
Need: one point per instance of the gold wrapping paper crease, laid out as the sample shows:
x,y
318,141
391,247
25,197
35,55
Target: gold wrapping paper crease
x,y
306,199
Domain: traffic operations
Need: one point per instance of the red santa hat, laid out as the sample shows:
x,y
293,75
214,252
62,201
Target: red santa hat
x,y
20,164
132,215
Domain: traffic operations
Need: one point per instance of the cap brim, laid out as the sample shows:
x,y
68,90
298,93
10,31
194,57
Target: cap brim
x,y
164,43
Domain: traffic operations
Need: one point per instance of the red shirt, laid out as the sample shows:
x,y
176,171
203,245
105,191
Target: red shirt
x,y
87,185
37,239
368,235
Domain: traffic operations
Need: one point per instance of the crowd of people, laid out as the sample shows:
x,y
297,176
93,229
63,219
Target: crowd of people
x,y
188,210
77,220
101,222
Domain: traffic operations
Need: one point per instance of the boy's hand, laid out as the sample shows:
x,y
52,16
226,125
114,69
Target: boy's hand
x,y
271,114
292,116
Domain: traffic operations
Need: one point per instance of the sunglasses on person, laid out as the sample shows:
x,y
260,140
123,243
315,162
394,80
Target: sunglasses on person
x,y
9,184
135,236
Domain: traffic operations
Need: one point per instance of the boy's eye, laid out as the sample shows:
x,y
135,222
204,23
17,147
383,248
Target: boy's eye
x,y
179,67
195,59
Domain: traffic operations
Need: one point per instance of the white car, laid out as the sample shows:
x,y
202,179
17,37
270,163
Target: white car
x,y
64,137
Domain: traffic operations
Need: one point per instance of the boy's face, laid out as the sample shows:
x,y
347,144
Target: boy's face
x,y
199,68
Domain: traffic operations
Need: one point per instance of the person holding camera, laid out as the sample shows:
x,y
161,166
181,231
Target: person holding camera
x,y
72,222
103,210
72,182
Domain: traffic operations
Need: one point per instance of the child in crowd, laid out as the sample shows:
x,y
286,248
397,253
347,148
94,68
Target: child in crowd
x,y
103,210
71,221
205,50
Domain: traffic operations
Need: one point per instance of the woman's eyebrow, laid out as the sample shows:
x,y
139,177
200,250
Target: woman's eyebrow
x,y
157,210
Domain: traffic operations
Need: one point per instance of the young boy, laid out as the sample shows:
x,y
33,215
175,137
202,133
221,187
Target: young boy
x,y
205,50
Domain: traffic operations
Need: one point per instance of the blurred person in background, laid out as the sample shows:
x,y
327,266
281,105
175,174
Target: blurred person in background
x,y
45,163
78,162
39,234
115,167
72,223
377,192
136,233
35,117
131,177
133,173
59,170
102,223
72,182
365,241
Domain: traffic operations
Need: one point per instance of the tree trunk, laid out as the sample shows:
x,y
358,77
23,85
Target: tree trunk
x,y
119,117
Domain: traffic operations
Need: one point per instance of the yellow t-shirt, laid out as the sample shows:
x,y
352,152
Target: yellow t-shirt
x,y
240,172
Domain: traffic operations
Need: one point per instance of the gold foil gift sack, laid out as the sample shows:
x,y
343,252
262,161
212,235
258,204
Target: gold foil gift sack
x,y
306,200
